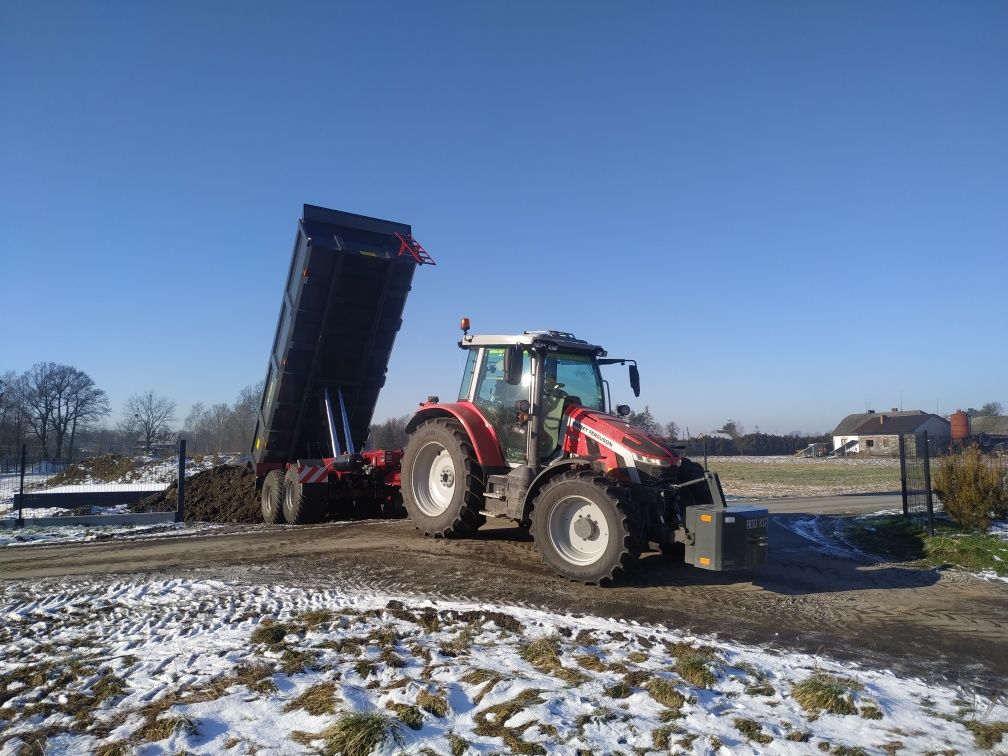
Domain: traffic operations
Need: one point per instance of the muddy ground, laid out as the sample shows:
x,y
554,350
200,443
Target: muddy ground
x,y
934,624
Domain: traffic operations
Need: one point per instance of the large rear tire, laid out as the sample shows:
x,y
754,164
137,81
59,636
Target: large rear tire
x,y
442,481
584,528
271,497
303,502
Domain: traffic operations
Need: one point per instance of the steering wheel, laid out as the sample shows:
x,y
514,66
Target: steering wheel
x,y
555,390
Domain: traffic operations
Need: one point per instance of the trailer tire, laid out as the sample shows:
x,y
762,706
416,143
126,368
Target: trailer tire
x,y
608,543
442,481
271,498
303,502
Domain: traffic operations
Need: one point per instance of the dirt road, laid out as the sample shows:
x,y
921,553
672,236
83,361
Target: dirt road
x,y
927,623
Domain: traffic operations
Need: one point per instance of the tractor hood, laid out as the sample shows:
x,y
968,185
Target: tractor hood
x,y
595,435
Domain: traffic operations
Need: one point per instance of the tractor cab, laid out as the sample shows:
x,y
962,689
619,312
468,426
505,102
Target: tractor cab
x,y
513,380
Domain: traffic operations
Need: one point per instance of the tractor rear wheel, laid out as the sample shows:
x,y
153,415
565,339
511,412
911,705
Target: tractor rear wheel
x,y
442,481
303,502
271,498
584,528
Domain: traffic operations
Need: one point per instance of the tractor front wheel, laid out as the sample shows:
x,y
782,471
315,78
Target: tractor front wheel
x,y
584,528
442,481
271,498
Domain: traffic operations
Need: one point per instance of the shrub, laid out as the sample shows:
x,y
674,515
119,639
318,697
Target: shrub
x,y
972,487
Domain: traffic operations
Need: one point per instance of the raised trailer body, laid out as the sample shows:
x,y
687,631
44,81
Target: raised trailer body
x,y
341,309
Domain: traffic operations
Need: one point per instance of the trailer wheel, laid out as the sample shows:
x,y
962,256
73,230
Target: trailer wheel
x,y
271,498
303,502
584,528
442,482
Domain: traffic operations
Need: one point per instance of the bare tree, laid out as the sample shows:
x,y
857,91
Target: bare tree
x,y
672,431
78,401
991,409
35,394
149,416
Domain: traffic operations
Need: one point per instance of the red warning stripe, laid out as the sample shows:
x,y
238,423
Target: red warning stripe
x,y
312,473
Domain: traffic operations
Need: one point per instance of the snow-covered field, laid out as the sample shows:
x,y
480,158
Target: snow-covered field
x,y
36,535
203,666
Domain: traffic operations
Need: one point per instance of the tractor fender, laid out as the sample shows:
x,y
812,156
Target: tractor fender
x,y
558,467
481,433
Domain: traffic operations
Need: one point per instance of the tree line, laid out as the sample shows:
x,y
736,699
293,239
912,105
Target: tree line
x,y
62,415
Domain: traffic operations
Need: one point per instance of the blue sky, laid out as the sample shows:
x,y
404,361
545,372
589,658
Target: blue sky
x,y
784,211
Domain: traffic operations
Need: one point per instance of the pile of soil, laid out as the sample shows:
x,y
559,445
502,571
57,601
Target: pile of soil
x,y
107,468
221,494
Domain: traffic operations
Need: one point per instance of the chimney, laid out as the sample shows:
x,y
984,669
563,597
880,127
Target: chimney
x,y
881,419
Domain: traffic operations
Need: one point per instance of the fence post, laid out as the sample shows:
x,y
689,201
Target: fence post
x,y
20,517
927,483
903,477
180,504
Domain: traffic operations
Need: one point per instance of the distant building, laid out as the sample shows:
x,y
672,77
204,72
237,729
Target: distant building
x,y
878,432
996,427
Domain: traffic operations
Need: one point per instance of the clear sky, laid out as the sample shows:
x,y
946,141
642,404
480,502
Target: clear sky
x,y
784,211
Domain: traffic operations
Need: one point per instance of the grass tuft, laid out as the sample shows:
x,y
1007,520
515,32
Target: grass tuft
x,y
269,633
255,677
457,745
821,692
317,700
490,722
752,730
590,662
665,693
987,734
485,677
159,729
432,703
358,734
619,690
391,658
544,654
314,618
292,661
364,667
408,714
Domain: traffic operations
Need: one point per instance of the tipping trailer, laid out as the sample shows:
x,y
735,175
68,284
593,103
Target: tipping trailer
x,y
342,306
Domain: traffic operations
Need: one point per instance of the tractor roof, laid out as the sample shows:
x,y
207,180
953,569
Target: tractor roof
x,y
558,339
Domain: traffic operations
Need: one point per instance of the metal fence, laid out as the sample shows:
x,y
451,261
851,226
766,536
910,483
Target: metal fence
x,y
38,492
916,451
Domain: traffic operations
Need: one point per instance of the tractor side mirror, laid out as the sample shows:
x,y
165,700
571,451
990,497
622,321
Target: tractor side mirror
x,y
634,379
623,410
512,365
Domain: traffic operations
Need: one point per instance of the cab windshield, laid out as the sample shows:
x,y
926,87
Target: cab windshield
x,y
575,375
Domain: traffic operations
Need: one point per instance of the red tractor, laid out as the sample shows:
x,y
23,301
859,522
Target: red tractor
x,y
531,439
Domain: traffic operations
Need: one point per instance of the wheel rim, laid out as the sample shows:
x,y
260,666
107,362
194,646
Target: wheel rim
x,y
578,530
288,498
433,479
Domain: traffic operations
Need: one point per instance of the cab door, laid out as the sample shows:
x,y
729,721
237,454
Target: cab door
x,y
496,399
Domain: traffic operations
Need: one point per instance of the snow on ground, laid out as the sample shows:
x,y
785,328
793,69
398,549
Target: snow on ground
x,y
204,666
31,535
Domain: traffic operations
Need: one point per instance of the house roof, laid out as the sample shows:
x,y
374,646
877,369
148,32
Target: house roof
x,y
884,424
992,426
849,423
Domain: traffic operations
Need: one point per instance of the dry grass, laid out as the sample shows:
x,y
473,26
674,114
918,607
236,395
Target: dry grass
x,y
490,723
752,731
159,729
391,658
637,657
457,745
358,734
408,714
255,677
619,690
591,662
293,661
317,700
485,677
987,734
314,618
664,692
544,654
115,748
433,703
821,692
269,633
364,667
